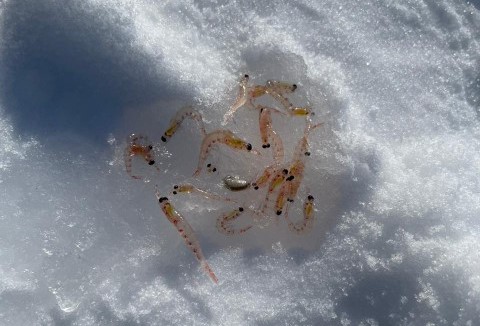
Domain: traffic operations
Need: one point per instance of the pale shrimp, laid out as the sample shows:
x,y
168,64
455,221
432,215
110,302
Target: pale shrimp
x,y
263,179
268,135
297,167
225,137
282,197
188,188
185,112
186,231
224,222
135,148
247,94
306,224
277,180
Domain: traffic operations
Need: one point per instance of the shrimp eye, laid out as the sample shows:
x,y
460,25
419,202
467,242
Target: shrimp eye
x,y
264,146
279,212
285,171
261,110
294,86
174,192
214,169
209,165
240,209
175,187
310,197
247,76
150,147
249,147
164,139
162,199
256,187
290,200
290,178
152,162
307,153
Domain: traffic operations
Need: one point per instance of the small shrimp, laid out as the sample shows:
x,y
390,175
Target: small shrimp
x,y
189,188
224,222
297,167
277,180
186,231
247,94
136,149
267,133
186,112
225,137
265,177
306,224
281,198
234,183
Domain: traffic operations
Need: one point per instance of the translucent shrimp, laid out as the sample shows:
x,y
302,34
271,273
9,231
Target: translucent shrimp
x,y
225,137
224,222
186,112
306,224
186,231
297,166
247,94
269,136
136,148
187,188
282,198
277,180
265,177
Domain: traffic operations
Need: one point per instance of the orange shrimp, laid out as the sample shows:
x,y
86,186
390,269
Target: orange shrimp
x,y
306,224
247,94
136,149
224,222
186,231
267,134
185,112
225,137
277,180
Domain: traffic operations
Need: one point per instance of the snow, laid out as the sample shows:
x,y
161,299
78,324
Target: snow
x,y
394,171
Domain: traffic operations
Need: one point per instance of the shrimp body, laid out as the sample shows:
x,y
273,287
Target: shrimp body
x,y
306,224
186,112
137,149
189,188
269,136
225,137
265,177
186,232
224,222
277,180
240,101
281,198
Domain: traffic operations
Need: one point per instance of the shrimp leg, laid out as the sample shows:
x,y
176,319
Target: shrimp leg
x,y
186,231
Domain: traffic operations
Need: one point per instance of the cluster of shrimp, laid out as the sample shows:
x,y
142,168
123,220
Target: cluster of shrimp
x,y
281,178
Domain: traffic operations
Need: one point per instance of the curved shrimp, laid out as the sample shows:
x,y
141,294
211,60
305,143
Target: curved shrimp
x,y
136,149
225,137
224,222
240,101
185,112
306,224
187,233
267,134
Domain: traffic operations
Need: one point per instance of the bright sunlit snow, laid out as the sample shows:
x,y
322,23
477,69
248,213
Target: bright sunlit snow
x,y
395,170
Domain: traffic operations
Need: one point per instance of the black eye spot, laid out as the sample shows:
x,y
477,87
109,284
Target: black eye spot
x,y
175,187
209,165
214,169
174,192
249,147
152,162
247,76
294,86
164,139
256,187
162,199
279,212
261,110
290,178
310,197
264,146
150,147
285,171
290,200
307,153
240,209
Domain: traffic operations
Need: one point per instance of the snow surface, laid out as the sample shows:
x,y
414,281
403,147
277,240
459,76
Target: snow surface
x,y
395,171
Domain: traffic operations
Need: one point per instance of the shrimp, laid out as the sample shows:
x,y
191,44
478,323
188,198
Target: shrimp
x,y
224,222
247,94
136,149
186,112
277,180
281,198
267,133
297,167
225,137
186,231
265,177
189,188
306,224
